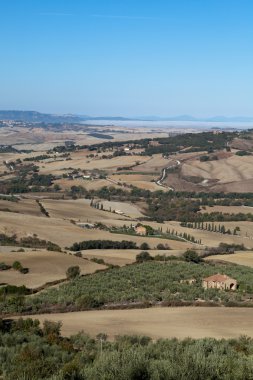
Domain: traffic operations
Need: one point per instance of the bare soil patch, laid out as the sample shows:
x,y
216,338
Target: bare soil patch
x,y
180,322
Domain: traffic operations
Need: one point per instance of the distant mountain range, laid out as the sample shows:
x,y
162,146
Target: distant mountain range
x,y
38,117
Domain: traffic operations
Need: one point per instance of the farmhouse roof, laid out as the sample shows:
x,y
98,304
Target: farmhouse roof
x,y
218,278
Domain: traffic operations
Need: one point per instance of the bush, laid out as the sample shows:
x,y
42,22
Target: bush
x,y
103,244
144,246
73,272
4,266
192,256
17,266
143,256
97,260
50,327
161,246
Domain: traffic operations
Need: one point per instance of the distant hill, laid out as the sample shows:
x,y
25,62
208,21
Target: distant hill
x,y
38,117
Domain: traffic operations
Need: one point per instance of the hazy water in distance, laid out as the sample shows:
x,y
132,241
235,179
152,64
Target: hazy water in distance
x,y
171,124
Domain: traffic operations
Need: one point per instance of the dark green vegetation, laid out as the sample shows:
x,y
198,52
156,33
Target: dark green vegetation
x,y
13,293
192,256
173,205
16,266
223,248
140,285
31,352
7,149
143,256
73,272
19,267
37,158
101,136
42,208
243,153
195,142
4,266
103,244
211,227
26,179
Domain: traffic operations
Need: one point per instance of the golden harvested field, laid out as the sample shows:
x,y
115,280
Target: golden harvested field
x,y
154,164
44,267
127,208
58,231
232,169
24,206
96,184
65,233
152,186
79,209
228,209
179,322
139,180
124,257
132,178
240,258
80,160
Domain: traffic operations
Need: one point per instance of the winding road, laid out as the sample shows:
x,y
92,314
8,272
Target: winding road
x,y
164,173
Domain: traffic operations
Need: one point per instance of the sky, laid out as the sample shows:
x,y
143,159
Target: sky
x,y
127,57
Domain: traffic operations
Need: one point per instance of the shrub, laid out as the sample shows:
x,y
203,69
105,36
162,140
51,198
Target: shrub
x,y
17,266
50,327
73,272
161,246
144,246
97,260
143,256
192,256
4,266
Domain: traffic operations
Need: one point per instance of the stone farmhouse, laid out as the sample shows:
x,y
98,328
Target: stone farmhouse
x,y
219,281
141,230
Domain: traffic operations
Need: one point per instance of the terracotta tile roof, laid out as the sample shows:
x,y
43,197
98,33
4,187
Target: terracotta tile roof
x,y
218,278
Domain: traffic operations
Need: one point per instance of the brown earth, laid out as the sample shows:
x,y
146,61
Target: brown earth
x,y
180,322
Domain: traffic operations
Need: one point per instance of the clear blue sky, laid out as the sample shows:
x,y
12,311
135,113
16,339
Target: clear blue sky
x,y
127,57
